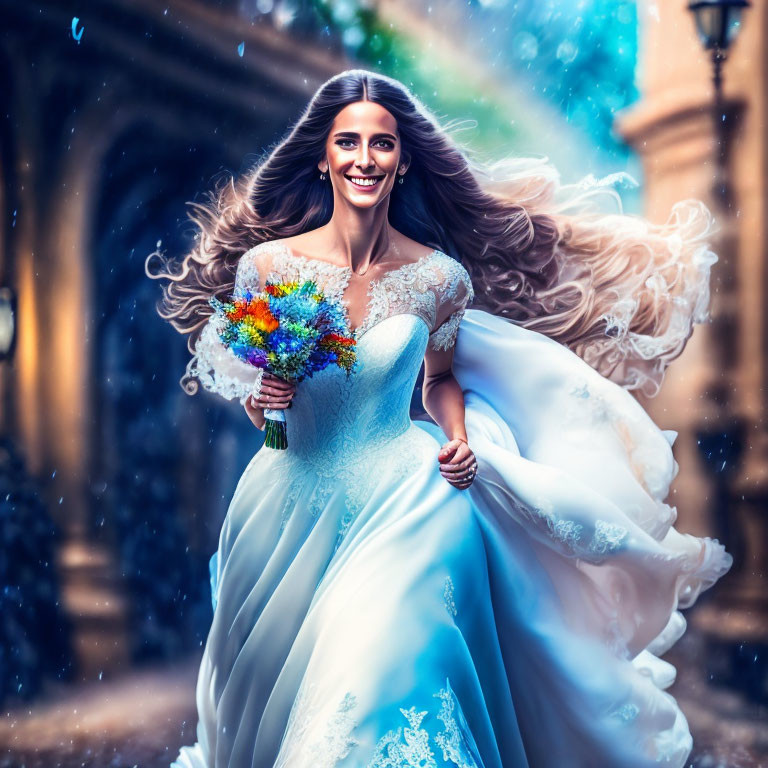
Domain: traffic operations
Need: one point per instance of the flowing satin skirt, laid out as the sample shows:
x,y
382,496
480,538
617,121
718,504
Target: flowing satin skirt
x,y
373,615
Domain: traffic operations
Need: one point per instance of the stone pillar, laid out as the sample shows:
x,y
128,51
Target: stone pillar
x,y
51,367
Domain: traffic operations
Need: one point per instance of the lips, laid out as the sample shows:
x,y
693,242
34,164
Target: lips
x,y
363,182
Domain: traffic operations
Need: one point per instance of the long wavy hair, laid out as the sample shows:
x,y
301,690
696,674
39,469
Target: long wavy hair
x,y
619,291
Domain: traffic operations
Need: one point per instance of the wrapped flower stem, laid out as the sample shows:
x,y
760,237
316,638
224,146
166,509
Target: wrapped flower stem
x,y
275,429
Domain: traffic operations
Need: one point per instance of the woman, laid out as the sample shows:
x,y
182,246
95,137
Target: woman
x,y
491,589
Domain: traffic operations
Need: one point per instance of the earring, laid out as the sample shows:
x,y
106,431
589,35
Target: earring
x,y
322,176
400,180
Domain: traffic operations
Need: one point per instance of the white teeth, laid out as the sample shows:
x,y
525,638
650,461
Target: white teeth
x,y
362,181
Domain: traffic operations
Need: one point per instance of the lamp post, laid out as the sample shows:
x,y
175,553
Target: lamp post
x,y
735,627
718,23
720,436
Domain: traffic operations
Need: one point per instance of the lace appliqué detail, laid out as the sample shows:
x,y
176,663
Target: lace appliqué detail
x,y
607,537
332,278
448,597
419,288
444,337
337,742
405,289
247,277
302,747
566,532
409,747
456,290
359,483
626,713
218,369
405,747
455,741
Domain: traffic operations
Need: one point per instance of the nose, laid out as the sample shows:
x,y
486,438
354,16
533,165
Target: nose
x,y
363,156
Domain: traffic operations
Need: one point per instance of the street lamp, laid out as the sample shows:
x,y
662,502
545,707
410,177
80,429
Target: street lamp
x,y
718,23
735,627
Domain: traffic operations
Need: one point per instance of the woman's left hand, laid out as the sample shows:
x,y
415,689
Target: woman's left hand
x,y
458,464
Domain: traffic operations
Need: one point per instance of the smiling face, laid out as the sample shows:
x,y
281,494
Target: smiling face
x,y
363,154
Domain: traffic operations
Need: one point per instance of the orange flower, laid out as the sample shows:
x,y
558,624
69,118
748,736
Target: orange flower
x,y
261,317
334,338
238,312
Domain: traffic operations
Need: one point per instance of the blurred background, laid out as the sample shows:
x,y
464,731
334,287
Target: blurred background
x,y
114,483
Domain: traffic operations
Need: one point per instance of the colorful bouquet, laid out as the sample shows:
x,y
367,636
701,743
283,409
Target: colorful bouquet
x,y
291,330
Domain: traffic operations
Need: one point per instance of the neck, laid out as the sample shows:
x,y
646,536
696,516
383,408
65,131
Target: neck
x,y
360,236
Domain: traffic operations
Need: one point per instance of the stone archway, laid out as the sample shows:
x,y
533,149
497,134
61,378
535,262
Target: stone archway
x,y
136,73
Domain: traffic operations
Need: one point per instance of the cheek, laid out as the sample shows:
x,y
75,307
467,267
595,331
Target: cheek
x,y
387,162
335,158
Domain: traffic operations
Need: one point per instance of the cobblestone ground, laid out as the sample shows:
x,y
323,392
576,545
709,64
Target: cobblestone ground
x,y
728,732
141,720
138,721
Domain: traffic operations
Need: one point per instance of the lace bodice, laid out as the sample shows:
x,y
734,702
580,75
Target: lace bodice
x,y
409,309
435,288
430,294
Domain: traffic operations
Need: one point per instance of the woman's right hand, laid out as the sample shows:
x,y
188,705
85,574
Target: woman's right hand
x,y
275,392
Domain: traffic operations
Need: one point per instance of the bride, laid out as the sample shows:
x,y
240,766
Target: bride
x,y
492,586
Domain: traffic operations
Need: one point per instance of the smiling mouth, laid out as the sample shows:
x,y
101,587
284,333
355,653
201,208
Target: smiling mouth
x,y
363,182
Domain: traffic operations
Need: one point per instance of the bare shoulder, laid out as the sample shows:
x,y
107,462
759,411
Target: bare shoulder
x,y
410,250
299,241
307,244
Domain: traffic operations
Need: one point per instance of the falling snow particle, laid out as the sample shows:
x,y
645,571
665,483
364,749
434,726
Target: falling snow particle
x,y
75,34
241,49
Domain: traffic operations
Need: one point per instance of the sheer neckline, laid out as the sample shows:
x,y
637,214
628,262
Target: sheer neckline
x,y
346,272
345,267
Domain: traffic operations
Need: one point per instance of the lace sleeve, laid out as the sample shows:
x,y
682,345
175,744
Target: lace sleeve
x,y
453,296
215,366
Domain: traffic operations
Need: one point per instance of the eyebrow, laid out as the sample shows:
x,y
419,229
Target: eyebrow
x,y
352,134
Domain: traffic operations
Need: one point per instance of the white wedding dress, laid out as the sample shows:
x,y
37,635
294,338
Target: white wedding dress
x,y
369,614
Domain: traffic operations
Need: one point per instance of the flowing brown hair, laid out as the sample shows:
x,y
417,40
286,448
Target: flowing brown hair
x,y
619,291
